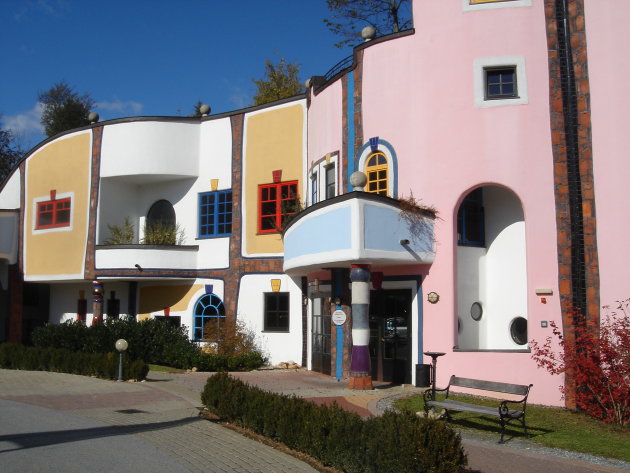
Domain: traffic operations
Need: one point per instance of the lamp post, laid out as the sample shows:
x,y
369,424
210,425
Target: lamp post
x,y
121,346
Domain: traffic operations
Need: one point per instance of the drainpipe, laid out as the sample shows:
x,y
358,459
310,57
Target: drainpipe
x,y
570,112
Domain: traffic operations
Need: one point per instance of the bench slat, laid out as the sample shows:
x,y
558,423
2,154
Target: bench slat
x,y
495,386
473,408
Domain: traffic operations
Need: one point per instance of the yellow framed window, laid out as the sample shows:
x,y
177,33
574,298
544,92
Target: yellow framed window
x,y
376,170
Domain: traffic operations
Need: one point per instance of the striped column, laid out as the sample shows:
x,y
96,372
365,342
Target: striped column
x,y
360,373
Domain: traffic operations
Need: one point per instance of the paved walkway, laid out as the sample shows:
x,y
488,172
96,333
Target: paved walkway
x,y
161,416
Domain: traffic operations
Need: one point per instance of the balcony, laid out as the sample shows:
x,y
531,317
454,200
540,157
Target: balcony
x,y
358,228
134,257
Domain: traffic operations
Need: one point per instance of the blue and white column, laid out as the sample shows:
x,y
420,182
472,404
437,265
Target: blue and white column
x,y
360,373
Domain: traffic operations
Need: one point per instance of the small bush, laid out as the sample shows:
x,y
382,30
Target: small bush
x,y
102,365
121,235
163,234
395,442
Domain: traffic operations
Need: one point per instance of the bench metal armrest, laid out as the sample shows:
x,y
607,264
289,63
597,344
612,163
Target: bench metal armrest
x,y
504,409
426,395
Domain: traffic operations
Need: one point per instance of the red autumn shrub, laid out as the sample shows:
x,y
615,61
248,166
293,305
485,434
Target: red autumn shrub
x,y
597,360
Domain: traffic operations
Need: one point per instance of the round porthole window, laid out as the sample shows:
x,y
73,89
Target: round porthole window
x,y
518,330
476,311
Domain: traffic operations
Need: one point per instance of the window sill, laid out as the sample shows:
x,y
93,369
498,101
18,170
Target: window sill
x,y
276,331
212,237
490,350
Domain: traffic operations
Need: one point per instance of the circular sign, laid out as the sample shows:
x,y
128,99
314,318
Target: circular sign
x,y
339,317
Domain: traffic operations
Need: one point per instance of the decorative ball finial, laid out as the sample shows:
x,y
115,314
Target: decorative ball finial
x,y
93,117
368,33
358,180
308,82
204,110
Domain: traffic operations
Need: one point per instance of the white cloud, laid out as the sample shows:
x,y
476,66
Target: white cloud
x,y
120,108
26,127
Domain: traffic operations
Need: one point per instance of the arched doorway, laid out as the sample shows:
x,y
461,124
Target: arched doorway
x,y
491,270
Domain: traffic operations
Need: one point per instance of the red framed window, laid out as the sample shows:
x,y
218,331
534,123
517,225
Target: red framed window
x,y
53,213
276,202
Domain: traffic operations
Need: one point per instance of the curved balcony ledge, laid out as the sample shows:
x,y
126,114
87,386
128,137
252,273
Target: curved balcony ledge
x,y
357,228
146,256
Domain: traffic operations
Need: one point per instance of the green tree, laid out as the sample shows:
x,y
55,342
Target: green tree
x,y
64,109
9,153
281,81
197,109
349,17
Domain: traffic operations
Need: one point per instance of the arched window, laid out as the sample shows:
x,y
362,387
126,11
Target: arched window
x,y
376,171
162,214
209,317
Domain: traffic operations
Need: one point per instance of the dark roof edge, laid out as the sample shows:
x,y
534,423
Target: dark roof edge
x,y
359,47
116,121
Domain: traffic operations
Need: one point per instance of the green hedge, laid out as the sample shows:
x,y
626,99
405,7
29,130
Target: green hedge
x,y
101,365
151,340
394,442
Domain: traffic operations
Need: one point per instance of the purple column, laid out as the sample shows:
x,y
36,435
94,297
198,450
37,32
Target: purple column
x,y
360,373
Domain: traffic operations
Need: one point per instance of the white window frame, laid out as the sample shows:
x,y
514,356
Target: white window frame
x,y
319,173
479,80
467,6
67,228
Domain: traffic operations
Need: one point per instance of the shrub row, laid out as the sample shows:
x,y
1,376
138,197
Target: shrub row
x,y
151,340
394,442
101,365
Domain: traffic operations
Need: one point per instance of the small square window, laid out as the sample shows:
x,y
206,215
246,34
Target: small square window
x,y
501,83
276,315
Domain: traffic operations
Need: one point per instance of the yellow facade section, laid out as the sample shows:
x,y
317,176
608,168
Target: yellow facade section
x,y
156,298
63,166
274,141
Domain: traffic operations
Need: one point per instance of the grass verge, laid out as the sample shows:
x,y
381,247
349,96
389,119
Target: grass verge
x,y
165,369
547,426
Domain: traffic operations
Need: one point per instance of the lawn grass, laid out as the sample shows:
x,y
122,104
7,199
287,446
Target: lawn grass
x,y
165,369
547,426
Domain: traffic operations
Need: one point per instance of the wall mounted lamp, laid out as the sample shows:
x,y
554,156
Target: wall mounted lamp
x,y
433,297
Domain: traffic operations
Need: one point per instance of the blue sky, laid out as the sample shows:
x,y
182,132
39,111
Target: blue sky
x,y
152,57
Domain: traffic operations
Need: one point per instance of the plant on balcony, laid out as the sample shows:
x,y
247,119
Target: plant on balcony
x,y
163,234
419,218
413,210
121,234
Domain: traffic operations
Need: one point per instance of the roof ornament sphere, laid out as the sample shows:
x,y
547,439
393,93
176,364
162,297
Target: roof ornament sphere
x,y
368,33
358,180
308,82
93,117
204,110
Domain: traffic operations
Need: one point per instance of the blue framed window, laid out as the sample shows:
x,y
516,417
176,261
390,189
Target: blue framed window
x,y
215,214
208,316
470,220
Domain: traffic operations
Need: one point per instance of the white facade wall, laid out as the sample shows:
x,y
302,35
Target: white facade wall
x,y
275,345
10,194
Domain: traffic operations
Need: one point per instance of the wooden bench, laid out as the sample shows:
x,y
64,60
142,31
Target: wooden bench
x,y
502,411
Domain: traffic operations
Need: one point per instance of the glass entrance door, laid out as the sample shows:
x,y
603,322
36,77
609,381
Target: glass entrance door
x,y
390,337
321,333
